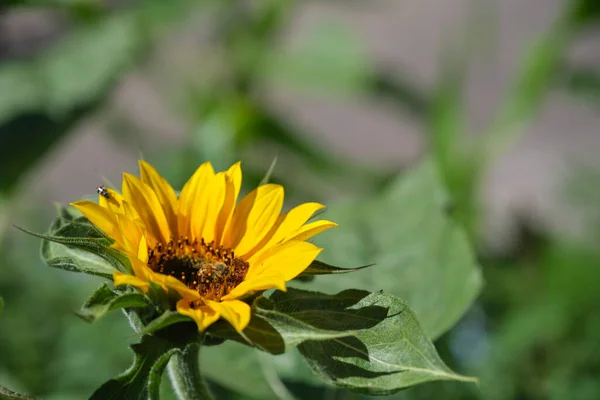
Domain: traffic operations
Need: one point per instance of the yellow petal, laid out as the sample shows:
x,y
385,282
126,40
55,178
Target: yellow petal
x,y
263,282
233,183
145,202
204,316
204,221
101,217
193,191
114,202
287,224
310,230
236,312
164,192
132,235
253,218
120,278
288,259
142,254
140,268
167,281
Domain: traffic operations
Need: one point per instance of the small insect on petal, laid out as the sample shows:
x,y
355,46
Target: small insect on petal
x,y
101,190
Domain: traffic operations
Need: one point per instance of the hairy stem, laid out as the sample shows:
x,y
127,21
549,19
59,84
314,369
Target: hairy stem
x,y
184,372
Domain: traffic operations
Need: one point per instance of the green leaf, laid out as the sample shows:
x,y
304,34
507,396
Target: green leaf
x,y
135,382
276,331
164,320
380,324
1,304
422,256
6,394
105,300
321,268
296,328
392,354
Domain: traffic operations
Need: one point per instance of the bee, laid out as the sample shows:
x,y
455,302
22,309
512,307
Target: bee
x,y
213,272
101,190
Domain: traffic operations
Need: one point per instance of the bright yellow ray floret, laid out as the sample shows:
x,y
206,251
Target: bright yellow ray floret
x,y
203,244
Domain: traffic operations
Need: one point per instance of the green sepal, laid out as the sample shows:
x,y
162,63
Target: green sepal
x,y
74,244
321,268
105,300
65,215
166,319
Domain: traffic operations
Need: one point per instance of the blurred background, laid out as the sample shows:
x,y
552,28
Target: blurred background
x,y
502,95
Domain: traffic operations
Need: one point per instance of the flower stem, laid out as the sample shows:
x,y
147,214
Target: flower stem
x,y
184,372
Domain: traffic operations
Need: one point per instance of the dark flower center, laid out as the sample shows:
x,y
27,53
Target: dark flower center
x,y
213,271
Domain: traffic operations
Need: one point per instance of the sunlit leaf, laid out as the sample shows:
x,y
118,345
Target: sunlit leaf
x,y
297,329
421,255
394,353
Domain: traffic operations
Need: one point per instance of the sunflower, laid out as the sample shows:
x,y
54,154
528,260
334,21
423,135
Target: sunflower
x,y
204,245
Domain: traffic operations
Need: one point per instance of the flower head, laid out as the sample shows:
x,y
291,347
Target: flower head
x,y
203,244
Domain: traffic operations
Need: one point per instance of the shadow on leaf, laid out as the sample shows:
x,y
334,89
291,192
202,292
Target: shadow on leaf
x,y
338,312
258,333
331,352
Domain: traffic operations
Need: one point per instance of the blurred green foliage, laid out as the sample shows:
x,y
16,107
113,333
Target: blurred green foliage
x,y
532,333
